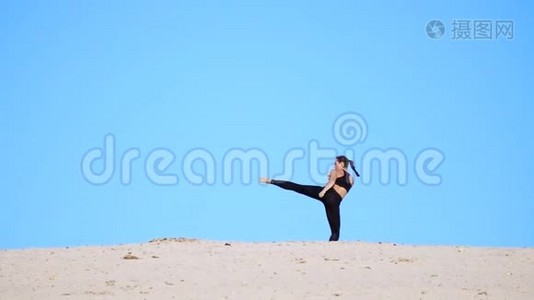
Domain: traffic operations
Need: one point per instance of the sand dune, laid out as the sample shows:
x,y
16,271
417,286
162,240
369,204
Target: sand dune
x,y
197,269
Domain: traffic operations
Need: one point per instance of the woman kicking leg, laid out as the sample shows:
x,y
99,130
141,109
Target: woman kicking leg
x,y
338,185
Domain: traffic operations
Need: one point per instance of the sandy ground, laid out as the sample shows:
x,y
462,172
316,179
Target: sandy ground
x,y
196,269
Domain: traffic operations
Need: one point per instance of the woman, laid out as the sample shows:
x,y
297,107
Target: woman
x,y
338,185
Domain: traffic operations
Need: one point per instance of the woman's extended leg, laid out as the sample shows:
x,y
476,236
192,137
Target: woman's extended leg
x,y
331,201
311,191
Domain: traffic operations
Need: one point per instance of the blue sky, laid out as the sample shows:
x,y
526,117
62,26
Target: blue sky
x,y
272,76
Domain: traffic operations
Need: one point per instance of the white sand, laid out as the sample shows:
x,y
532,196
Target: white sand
x,y
196,269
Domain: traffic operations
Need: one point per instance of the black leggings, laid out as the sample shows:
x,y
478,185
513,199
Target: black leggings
x,y
331,201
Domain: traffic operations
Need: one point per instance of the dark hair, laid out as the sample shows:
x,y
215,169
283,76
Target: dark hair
x,y
346,162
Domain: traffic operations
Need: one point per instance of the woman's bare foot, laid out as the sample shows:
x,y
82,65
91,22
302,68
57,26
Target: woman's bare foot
x,y
265,180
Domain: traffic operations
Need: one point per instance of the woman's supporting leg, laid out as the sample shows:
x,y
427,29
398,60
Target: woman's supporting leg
x,y
307,190
332,201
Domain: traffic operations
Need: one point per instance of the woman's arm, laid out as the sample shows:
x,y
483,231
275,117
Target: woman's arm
x,y
331,181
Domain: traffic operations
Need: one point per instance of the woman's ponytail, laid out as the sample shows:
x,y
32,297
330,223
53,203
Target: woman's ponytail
x,y
353,168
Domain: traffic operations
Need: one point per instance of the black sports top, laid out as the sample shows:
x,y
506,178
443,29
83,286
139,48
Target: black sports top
x,y
344,181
